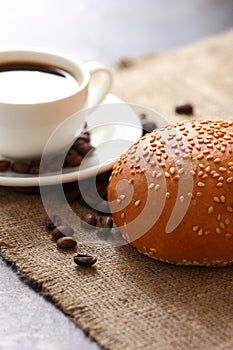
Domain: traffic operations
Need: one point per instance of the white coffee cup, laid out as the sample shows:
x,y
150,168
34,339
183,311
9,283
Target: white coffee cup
x,y
25,126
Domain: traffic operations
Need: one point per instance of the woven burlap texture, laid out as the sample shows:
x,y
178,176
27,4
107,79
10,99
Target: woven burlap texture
x,y
128,301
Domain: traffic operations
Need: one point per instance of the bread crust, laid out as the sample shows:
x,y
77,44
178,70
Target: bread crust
x,y
171,194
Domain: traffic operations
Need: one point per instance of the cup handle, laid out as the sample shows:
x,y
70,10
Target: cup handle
x,y
103,86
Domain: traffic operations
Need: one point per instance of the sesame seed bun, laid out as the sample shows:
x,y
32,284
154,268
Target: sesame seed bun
x,y
171,194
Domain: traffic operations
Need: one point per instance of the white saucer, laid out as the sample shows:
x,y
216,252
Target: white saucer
x,y
113,131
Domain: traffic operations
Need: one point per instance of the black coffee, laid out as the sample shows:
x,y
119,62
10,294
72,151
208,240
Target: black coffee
x,y
34,83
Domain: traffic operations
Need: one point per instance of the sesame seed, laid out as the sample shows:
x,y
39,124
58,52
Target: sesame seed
x,y
229,209
157,187
229,180
218,230
168,195
167,175
210,210
200,156
181,171
215,175
222,225
219,217
151,186
222,169
137,203
227,221
216,199
182,199
153,173
172,170
223,199
219,184
195,228
200,184
228,235
122,215
200,232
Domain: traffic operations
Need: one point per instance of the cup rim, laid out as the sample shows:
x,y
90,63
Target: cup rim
x,y
71,65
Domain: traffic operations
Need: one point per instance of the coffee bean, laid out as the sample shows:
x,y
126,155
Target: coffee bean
x,y
102,189
4,165
148,126
53,163
85,148
104,224
84,260
71,191
35,162
73,158
62,231
85,135
88,221
142,116
66,243
57,234
125,63
184,108
20,167
52,222
34,170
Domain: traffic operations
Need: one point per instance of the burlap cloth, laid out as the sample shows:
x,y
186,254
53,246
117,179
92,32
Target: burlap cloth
x,y
129,301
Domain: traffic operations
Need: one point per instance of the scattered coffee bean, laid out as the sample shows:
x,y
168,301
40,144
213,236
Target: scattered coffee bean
x,y
84,260
184,108
71,191
52,222
4,165
104,224
20,167
88,221
57,234
125,63
148,126
142,116
62,231
66,243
